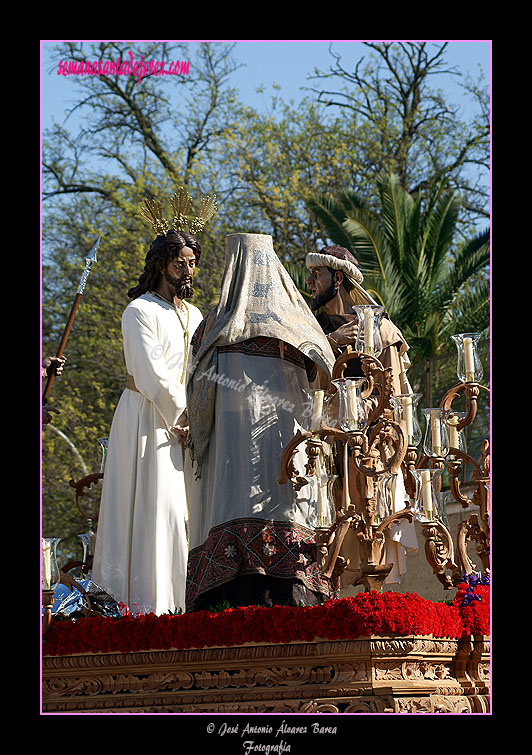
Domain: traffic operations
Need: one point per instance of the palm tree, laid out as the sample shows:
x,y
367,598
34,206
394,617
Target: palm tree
x,y
431,288
299,275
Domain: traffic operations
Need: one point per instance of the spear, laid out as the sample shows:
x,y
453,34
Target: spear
x,y
89,259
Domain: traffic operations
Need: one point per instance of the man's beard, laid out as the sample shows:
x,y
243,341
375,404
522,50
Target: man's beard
x,y
321,299
182,290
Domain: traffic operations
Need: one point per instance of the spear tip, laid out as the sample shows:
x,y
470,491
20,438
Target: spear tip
x,y
92,254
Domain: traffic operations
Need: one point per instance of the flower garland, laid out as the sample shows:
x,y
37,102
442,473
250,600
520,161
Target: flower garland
x,y
473,600
367,613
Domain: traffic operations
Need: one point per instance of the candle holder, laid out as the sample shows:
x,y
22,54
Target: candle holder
x,y
322,510
368,339
454,421
385,497
352,415
405,412
50,570
315,412
430,511
103,443
367,459
469,367
427,507
477,527
436,443
366,446
444,497
88,540
50,578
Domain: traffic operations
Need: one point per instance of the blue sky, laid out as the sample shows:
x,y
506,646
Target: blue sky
x,y
285,64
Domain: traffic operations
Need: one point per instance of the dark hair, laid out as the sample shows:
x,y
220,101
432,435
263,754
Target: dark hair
x,y
346,283
161,252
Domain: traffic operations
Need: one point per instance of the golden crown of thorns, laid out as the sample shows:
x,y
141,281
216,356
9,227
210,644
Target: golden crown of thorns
x,y
182,221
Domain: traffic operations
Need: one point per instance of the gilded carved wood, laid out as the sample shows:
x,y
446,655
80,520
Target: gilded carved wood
x,y
365,457
382,448
373,674
477,528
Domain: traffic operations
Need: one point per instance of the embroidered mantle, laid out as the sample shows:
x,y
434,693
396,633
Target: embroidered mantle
x,y
255,546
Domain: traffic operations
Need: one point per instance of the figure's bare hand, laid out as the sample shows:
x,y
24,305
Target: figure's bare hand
x,y
345,334
46,416
181,426
53,364
180,430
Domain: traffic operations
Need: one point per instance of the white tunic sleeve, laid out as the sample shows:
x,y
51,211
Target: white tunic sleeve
x,y
154,377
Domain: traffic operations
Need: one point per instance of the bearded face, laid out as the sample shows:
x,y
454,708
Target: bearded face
x,y
321,286
320,299
182,286
180,271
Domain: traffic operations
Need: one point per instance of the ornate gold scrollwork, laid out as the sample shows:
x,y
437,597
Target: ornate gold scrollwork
x,y
477,527
382,448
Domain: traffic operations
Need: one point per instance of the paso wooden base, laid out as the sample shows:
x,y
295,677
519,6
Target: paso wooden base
x,y
367,675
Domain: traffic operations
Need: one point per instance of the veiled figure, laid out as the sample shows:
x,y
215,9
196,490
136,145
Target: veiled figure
x,y
255,358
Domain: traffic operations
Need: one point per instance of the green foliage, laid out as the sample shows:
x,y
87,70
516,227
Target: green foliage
x,y
145,138
409,262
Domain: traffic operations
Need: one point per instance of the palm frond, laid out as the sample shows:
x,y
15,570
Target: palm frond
x,y
472,257
405,252
299,274
397,206
369,243
332,214
440,225
470,311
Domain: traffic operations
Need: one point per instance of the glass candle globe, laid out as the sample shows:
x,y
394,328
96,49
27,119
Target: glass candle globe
x,y
469,367
103,443
317,411
428,504
369,335
405,412
436,442
456,437
444,499
352,414
88,540
385,496
322,509
50,569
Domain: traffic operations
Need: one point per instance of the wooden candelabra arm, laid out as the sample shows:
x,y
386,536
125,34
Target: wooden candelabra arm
x,y
79,487
481,471
330,432
341,363
471,530
472,391
484,463
405,513
335,541
373,368
85,566
288,469
439,551
314,448
360,455
409,463
454,468
389,433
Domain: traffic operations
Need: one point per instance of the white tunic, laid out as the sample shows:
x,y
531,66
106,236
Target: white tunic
x,y
141,546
